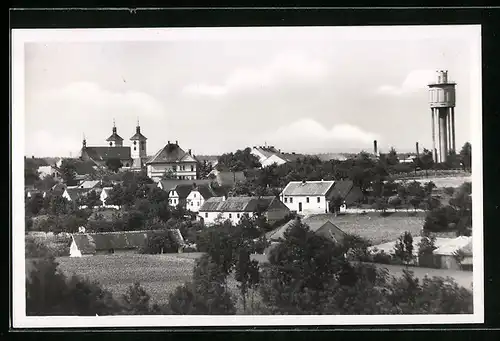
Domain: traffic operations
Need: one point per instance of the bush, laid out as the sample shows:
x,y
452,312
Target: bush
x,y
449,191
439,219
160,242
382,258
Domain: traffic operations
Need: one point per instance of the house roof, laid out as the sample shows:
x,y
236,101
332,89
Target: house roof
x,y
171,153
315,225
172,183
205,191
106,215
88,243
453,245
331,156
75,193
291,156
236,204
89,184
209,158
58,189
106,153
311,188
341,188
267,151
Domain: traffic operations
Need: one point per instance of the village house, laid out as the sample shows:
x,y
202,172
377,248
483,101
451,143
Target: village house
x,y
314,197
269,155
323,227
233,209
89,244
198,195
443,257
172,160
104,196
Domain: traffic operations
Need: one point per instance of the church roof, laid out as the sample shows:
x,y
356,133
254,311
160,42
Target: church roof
x,y
138,136
106,153
114,137
171,153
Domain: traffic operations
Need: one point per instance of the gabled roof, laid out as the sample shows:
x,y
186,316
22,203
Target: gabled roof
x,y
322,226
172,183
89,184
237,204
89,243
75,193
205,191
138,136
341,188
312,188
106,153
183,190
58,189
171,153
267,151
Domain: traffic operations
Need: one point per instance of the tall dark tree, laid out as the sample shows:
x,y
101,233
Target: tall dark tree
x,y
239,161
114,164
392,157
466,156
426,160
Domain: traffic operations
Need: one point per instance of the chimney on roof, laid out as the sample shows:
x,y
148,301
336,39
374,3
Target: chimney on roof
x,y
168,142
303,181
189,151
176,142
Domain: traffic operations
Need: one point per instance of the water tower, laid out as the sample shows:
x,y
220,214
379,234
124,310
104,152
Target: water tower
x,y
442,103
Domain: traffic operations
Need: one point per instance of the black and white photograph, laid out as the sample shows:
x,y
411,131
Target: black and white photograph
x,y
247,176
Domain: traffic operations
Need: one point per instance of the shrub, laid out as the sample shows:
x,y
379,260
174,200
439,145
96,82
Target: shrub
x,y
382,258
160,242
439,219
449,191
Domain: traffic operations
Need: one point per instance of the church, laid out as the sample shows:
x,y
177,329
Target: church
x,y
133,158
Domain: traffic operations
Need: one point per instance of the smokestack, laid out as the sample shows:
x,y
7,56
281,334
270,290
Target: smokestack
x,y
176,142
168,142
375,150
416,145
189,151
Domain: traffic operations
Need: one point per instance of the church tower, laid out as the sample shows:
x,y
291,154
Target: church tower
x,y
138,149
115,140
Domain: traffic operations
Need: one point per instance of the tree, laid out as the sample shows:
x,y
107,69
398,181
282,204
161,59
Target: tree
x,y
58,205
247,274
392,158
394,201
466,157
160,242
91,200
168,175
46,183
114,164
31,174
335,204
403,249
50,293
426,246
203,169
426,160
239,161
452,160
68,171
136,301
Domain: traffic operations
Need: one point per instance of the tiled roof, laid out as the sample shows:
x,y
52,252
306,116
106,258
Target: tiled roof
x,y
205,191
75,193
236,204
89,184
341,188
105,153
172,183
88,243
138,136
311,188
267,151
315,225
170,153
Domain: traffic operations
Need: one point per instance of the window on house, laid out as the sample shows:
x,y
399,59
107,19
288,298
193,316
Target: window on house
x,y
286,199
135,148
206,215
237,215
142,145
192,203
307,200
192,168
127,165
194,195
135,142
319,199
291,200
230,215
198,203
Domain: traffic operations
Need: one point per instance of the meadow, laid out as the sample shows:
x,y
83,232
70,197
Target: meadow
x,y
379,229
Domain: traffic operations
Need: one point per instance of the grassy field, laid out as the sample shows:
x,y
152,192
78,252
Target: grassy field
x,y
441,182
158,274
376,228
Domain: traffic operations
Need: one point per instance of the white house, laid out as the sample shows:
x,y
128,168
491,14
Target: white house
x,y
269,155
307,197
104,195
234,208
174,160
51,170
197,197
73,193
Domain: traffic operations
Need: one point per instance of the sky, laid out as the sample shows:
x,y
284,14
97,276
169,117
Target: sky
x,y
307,90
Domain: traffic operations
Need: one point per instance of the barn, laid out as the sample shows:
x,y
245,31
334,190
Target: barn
x,y
87,244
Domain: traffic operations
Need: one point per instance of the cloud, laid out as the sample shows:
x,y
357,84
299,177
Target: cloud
x,y
283,68
414,81
93,99
308,134
43,143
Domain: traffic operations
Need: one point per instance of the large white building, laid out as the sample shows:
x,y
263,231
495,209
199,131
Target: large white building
x,y
314,197
172,160
234,208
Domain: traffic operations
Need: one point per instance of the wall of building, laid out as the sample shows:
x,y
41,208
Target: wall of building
x,y
181,170
194,201
210,217
271,160
312,207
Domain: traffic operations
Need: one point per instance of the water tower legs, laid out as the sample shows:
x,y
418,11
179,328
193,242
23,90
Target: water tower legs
x,y
443,135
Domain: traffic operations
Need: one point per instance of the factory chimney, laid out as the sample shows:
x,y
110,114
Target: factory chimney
x,y
375,150
416,146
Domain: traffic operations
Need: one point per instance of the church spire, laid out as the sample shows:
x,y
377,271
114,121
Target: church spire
x,y
84,143
114,126
138,127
